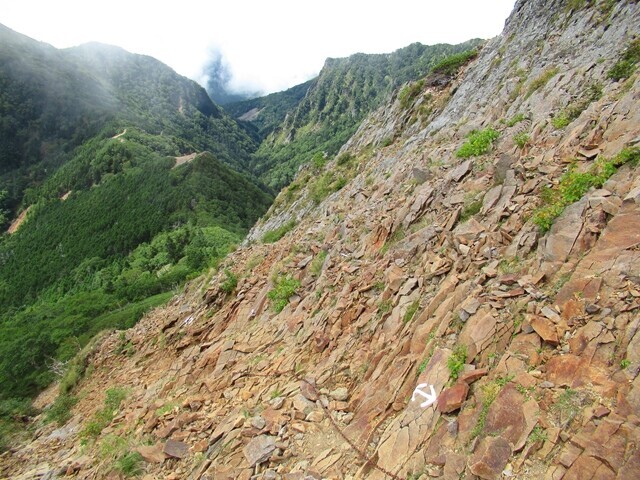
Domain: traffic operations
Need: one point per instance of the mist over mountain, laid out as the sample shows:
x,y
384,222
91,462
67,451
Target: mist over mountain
x,y
218,75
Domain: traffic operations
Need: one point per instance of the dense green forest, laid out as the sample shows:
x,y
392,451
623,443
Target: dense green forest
x,y
89,141
321,115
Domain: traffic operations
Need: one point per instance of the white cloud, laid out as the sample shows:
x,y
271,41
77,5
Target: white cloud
x,y
269,45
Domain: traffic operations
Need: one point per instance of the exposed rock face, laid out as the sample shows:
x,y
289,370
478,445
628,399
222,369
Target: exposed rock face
x,y
549,387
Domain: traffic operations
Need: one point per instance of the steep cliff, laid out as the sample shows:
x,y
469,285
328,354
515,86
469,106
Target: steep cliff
x,y
476,240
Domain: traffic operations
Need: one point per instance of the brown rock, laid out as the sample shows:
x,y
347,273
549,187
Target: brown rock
x,y
152,453
259,449
490,458
545,328
512,417
308,389
451,399
201,446
473,375
176,449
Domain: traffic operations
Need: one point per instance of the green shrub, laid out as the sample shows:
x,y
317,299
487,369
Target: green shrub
x,y
452,63
625,67
277,233
560,120
60,411
542,80
345,159
573,185
317,263
411,311
130,465
470,210
409,93
102,418
478,143
230,282
515,120
456,361
521,139
283,289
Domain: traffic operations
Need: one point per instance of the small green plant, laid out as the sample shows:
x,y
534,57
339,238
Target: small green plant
x,y
489,394
124,346
573,185
478,143
386,142
538,434
513,265
318,263
560,120
542,80
515,120
283,289
625,67
130,464
625,363
409,93
277,233
470,210
521,139
395,237
166,408
60,411
411,311
566,407
423,366
345,159
276,393
103,417
456,361
230,282
384,307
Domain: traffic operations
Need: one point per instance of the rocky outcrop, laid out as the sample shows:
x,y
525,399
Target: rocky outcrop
x,y
411,284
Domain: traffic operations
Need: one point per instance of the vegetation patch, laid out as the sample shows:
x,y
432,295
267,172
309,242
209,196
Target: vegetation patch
x,y
318,263
456,361
230,282
521,139
575,108
542,80
409,93
283,289
478,143
451,64
489,394
276,234
60,411
625,67
515,120
411,311
471,208
573,185
103,417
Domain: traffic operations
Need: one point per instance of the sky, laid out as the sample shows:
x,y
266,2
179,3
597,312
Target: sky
x,y
266,45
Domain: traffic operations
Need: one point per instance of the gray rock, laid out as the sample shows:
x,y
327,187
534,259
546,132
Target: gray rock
x,y
259,449
176,449
341,394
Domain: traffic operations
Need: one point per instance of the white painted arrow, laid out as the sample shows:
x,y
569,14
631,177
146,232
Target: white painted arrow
x,y
429,397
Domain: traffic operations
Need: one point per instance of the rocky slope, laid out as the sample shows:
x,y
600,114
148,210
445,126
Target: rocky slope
x,y
424,268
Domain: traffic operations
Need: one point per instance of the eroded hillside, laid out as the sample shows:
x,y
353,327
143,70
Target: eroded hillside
x,y
500,267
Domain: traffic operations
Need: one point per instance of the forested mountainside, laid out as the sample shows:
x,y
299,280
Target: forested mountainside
x,y
119,179
52,101
319,116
